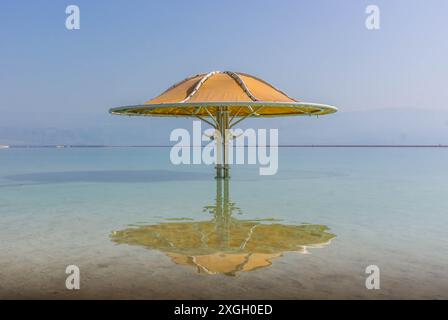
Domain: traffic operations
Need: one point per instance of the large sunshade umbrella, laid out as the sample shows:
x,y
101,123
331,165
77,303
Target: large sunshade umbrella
x,y
224,99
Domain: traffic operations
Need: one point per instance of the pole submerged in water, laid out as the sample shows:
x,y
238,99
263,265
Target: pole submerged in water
x,y
222,144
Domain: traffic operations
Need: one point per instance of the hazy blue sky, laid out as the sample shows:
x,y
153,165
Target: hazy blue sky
x,y
129,51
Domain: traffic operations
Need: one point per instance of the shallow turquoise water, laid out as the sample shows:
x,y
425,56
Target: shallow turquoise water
x,y
385,206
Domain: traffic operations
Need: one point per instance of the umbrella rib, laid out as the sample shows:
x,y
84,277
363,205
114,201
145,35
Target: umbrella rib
x,y
308,113
201,118
199,85
211,116
198,109
298,109
254,112
205,120
179,83
233,75
241,83
269,84
233,117
196,114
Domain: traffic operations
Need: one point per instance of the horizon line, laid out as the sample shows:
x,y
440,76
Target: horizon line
x,y
245,146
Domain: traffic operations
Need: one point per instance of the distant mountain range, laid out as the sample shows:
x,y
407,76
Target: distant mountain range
x,y
382,126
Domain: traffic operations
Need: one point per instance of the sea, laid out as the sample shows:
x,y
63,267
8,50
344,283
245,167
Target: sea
x,y
332,223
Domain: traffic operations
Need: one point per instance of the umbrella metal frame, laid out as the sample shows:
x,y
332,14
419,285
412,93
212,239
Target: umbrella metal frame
x,y
222,124
225,114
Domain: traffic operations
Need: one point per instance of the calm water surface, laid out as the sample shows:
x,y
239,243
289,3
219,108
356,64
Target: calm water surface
x,y
139,227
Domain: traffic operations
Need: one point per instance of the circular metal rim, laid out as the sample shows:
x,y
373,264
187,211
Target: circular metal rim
x,y
324,108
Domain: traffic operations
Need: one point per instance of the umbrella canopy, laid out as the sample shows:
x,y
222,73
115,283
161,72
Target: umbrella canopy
x,y
242,95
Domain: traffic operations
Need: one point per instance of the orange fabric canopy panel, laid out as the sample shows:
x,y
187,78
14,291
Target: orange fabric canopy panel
x,y
240,94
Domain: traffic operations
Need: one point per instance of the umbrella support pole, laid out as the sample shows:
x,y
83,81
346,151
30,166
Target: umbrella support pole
x,y
222,144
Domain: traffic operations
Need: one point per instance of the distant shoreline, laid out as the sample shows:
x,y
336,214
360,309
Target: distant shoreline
x,y
280,146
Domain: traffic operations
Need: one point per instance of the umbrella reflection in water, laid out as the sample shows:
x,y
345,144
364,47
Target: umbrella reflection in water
x,y
225,244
